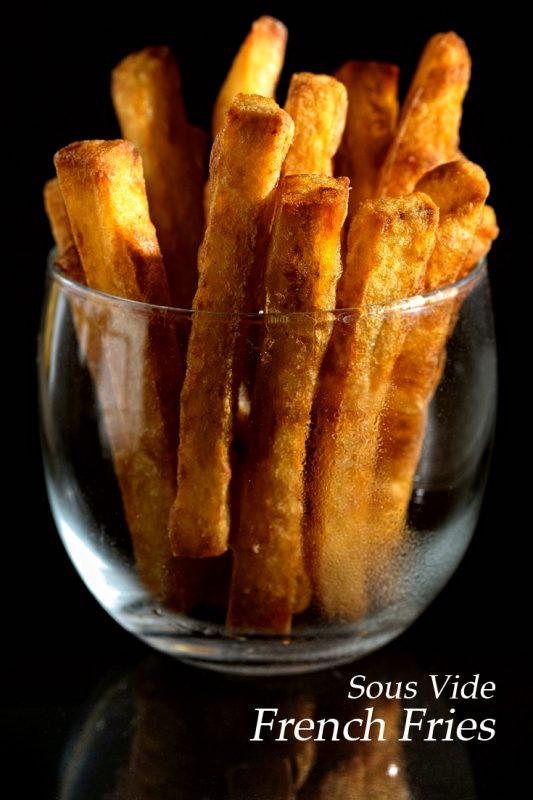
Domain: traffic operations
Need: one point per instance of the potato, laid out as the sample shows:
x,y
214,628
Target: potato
x,y
256,67
370,125
428,129
389,244
146,91
245,167
317,105
460,189
303,266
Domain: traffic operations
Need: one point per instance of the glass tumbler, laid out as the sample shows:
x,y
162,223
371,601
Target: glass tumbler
x,y
349,469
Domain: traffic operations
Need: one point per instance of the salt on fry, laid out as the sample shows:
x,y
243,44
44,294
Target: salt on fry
x,y
370,125
245,169
389,244
317,105
428,129
146,92
303,266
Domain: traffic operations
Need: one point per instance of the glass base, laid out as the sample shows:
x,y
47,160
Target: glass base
x,y
307,649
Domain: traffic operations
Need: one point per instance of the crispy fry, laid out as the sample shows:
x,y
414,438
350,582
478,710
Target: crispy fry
x,y
67,258
104,194
256,67
389,244
106,178
146,91
303,266
245,168
487,231
460,189
317,105
67,254
428,129
370,125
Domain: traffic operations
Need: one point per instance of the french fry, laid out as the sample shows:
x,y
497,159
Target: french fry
x,y
370,125
428,129
389,244
460,189
256,67
107,176
303,266
487,231
245,168
103,188
67,254
67,258
317,105
146,91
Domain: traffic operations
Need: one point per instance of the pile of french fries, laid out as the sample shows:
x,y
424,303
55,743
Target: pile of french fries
x,y
278,483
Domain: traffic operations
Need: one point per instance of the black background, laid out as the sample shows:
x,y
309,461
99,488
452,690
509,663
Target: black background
x,y
60,644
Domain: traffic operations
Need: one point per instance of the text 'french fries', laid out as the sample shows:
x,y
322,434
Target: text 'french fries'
x,y
245,168
303,267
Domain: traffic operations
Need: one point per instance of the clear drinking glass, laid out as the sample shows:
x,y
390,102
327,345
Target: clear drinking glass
x,y
395,432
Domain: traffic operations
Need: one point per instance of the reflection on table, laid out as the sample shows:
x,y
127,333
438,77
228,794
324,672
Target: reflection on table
x,y
167,731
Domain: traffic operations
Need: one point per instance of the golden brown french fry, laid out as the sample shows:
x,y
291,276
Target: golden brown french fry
x,y
389,244
103,188
487,231
245,168
256,67
428,129
146,91
303,266
67,254
370,125
67,258
460,189
317,105
116,241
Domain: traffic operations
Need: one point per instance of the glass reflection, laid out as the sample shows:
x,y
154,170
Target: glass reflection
x,y
168,731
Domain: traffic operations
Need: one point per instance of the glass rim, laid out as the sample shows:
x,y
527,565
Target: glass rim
x,y
412,303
